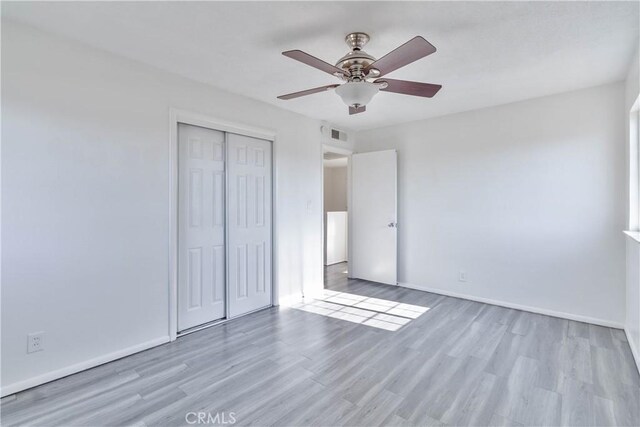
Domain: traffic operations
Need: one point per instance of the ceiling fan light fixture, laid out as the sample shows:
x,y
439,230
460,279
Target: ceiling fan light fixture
x,y
362,72
357,93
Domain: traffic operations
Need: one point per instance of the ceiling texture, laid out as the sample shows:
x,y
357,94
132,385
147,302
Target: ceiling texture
x,y
489,53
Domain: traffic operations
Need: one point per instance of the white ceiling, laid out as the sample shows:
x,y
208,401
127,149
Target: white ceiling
x,y
489,53
334,160
336,163
329,155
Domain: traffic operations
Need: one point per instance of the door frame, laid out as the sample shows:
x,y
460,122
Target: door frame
x,y
176,116
327,148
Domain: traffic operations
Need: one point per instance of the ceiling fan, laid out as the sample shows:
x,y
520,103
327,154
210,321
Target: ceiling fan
x,y
362,72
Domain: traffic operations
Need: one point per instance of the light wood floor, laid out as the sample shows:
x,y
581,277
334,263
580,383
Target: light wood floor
x,y
369,355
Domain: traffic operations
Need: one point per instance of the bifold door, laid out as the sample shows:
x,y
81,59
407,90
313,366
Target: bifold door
x,y
224,225
373,217
201,226
249,224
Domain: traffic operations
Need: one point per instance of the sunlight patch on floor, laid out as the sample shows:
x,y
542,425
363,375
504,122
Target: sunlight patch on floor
x,y
369,311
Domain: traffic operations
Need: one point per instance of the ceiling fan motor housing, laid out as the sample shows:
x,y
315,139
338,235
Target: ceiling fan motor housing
x,y
357,60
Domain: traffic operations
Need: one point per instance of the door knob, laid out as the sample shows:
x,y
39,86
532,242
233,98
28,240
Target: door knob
x,y
392,225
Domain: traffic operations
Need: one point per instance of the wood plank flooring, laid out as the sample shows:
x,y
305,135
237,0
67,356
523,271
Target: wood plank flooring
x,y
369,355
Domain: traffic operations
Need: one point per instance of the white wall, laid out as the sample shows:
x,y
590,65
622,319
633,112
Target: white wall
x,y
335,189
528,199
336,226
85,192
632,321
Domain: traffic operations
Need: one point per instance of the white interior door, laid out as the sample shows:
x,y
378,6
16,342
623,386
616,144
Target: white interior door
x,y
373,213
249,223
201,210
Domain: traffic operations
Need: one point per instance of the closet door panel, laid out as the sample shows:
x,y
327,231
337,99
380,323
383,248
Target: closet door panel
x,y
249,223
201,222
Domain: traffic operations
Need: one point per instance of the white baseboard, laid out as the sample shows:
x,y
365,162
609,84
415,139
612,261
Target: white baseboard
x,y
634,348
78,367
553,313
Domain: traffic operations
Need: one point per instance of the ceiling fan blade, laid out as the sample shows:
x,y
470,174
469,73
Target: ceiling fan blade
x,y
409,52
305,58
405,87
307,92
356,110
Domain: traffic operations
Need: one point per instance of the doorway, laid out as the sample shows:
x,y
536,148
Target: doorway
x,y
336,211
222,193
360,214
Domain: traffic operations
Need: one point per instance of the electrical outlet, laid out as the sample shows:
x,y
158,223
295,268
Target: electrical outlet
x,y
35,342
462,276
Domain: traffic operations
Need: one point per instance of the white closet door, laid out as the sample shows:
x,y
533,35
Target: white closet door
x,y
201,220
249,223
